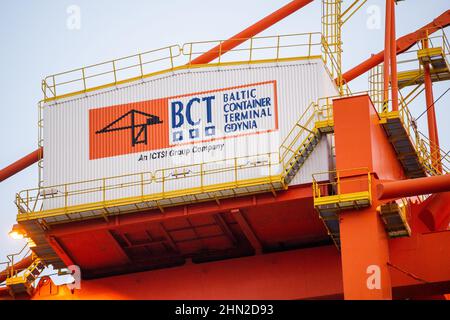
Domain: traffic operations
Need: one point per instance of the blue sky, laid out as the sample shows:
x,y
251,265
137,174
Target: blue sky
x,y
36,42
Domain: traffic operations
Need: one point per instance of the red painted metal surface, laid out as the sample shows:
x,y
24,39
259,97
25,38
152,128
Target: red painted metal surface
x,y
438,208
296,274
364,241
251,31
198,232
375,152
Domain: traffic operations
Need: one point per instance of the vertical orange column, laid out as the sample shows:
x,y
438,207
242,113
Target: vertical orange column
x,y
364,242
431,116
365,253
393,52
387,54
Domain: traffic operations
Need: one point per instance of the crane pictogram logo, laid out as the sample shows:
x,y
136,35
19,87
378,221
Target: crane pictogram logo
x,y
137,122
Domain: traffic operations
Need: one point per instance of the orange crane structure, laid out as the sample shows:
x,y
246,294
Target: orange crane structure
x,y
375,225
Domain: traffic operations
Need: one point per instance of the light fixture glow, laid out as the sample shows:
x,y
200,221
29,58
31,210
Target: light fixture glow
x,y
17,232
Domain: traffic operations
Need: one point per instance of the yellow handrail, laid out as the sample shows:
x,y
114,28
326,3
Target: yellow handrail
x,y
175,57
303,130
332,181
420,143
28,200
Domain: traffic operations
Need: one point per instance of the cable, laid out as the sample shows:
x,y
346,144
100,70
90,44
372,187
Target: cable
x,y
433,104
407,273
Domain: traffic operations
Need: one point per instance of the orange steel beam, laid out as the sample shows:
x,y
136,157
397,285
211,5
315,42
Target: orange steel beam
x,y
21,164
251,31
431,115
211,207
247,230
299,274
413,187
387,53
393,53
438,208
403,44
364,254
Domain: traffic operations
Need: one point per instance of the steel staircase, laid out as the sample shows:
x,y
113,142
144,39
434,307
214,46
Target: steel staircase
x,y
316,121
411,146
22,280
23,283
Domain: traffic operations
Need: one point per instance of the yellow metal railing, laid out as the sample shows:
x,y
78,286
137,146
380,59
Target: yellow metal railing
x,y
418,140
342,185
444,157
9,266
258,48
304,129
376,81
113,72
168,183
437,41
176,57
409,61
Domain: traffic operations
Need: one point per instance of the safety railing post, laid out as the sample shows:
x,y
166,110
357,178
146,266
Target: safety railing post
x,y
54,86
84,79
65,197
12,266
104,190
201,177
278,48
141,67
251,50
163,181
190,54
220,51
171,57
235,172
270,166
142,186
310,45
114,71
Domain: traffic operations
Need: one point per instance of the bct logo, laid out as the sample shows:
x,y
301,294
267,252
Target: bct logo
x,y
190,114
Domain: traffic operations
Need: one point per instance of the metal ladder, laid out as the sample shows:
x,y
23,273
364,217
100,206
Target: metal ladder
x,y
316,121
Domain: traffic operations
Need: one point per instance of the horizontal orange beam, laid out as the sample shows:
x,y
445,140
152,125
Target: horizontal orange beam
x,y
420,266
413,187
403,44
21,164
251,31
211,207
